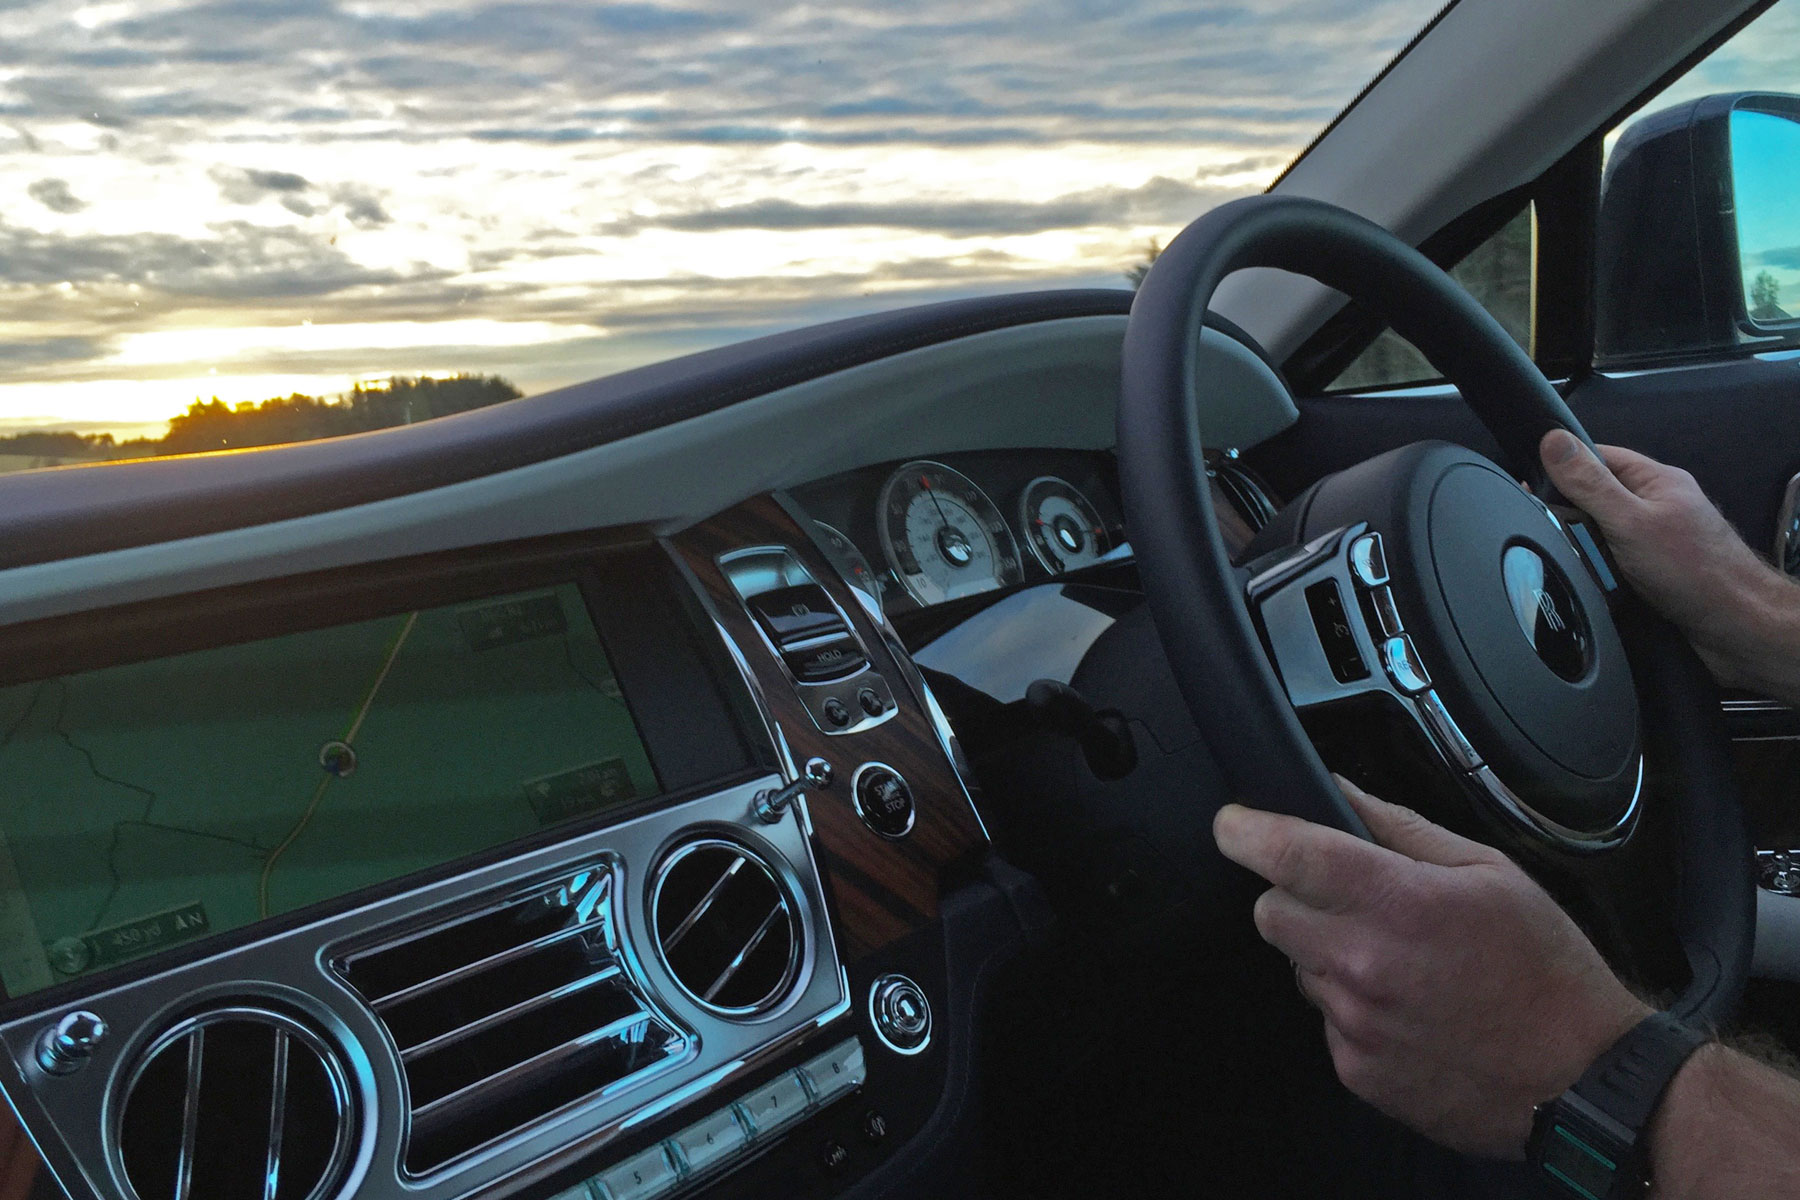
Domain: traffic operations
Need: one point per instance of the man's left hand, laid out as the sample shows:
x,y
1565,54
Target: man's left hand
x,y
1456,993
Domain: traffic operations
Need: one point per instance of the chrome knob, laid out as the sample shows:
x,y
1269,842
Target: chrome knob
x,y
66,1046
900,1013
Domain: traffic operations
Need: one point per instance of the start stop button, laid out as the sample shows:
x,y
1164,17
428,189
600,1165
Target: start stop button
x,y
883,800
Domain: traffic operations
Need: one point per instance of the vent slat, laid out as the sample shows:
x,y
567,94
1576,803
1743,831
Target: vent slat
x,y
511,1012
507,1012
467,970
461,1099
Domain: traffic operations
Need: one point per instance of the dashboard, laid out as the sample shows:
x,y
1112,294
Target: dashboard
x,y
580,830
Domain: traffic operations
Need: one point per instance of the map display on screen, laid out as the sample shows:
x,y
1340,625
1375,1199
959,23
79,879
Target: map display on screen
x,y
150,804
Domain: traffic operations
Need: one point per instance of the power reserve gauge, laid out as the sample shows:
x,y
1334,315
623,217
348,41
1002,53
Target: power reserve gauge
x,y
1061,525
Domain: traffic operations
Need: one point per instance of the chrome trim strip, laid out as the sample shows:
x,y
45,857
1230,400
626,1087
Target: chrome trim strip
x,y
462,1097
737,963
277,1116
456,974
500,1017
190,1113
706,902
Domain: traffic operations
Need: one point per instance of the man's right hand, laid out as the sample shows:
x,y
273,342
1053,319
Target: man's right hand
x,y
1684,558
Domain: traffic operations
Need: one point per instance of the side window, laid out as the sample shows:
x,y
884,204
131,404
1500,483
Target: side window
x,y
1499,273
1697,249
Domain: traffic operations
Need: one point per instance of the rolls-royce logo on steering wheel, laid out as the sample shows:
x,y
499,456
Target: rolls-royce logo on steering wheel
x,y
1548,613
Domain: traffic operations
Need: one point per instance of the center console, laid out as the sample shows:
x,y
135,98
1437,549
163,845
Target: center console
x,y
601,867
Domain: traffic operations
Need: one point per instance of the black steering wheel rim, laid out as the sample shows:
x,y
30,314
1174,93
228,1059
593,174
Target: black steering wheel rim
x,y
1196,598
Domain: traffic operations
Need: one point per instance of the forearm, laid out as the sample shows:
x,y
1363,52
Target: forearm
x,y
1729,1128
1751,639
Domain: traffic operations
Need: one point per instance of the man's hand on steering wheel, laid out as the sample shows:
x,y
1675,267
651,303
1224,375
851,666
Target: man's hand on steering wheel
x,y
1684,558
1456,994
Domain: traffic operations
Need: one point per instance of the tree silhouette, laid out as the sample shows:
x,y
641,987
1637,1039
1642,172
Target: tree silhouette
x,y
215,425
1765,299
1136,272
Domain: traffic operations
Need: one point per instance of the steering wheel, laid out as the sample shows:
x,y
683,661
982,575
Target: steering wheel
x,y
1428,585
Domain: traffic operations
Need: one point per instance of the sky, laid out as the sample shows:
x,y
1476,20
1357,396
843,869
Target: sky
x,y
245,198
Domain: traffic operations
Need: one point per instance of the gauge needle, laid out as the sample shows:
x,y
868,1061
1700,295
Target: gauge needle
x,y
925,482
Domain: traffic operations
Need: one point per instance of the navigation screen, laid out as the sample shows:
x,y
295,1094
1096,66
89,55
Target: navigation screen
x,y
150,804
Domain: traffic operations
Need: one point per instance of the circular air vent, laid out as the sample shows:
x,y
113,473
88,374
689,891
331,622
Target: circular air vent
x,y
236,1104
725,928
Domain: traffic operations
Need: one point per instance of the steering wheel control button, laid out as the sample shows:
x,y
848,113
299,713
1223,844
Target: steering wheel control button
x,y
792,614
1368,561
830,658
67,1045
1326,604
1387,613
1401,658
711,1141
900,1014
776,1104
835,1072
1547,612
883,800
641,1177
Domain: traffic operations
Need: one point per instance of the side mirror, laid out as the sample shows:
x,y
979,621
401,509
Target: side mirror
x,y
1698,248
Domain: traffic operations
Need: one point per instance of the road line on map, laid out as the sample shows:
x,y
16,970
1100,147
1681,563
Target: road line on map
x,y
349,738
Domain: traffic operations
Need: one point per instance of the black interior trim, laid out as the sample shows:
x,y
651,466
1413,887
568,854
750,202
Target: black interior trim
x,y
66,513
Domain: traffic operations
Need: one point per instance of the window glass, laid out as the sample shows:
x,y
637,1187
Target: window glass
x,y
1499,273
230,223
1697,253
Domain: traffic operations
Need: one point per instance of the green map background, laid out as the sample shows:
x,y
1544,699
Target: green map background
x,y
181,775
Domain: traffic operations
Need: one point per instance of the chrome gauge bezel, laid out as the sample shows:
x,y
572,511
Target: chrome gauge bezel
x,y
1080,498
993,522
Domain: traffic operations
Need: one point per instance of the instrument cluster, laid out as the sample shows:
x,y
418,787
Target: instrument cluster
x,y
929,531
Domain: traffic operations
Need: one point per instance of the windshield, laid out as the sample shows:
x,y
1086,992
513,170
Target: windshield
x,y
251,221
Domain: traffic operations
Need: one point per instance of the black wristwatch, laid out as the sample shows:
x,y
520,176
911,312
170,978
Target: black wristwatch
x,y
1589,1142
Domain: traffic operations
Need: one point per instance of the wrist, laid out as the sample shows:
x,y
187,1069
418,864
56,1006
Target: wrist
x,y
1676,1170
1752,641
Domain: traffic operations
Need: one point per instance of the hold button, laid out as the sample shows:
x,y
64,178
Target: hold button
x,y
829,659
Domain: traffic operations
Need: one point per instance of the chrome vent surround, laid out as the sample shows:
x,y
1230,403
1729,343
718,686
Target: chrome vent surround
x,y
1242,489
238,1103
508,1013
725,928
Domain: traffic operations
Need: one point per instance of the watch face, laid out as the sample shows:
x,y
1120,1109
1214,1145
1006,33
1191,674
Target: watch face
x,y
1581,1169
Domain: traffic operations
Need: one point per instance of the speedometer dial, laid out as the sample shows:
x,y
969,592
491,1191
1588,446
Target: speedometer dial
x,y
942,535
1061,526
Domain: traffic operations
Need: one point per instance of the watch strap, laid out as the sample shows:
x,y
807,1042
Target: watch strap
x,y
1628,1081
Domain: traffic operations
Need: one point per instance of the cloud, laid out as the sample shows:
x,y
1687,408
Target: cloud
x,y
1787,257
55,195
674,173
1161,201
247,185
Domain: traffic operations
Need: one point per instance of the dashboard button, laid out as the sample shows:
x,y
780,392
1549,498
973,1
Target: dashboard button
x,y
871,702
838,1070
713,1140
874,1126
640,1177
900,1013
793,613
883,800
837,713
775,1104
829,659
